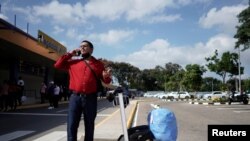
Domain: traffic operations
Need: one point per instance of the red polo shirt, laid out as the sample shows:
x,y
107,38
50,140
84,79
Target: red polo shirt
x,y
81,77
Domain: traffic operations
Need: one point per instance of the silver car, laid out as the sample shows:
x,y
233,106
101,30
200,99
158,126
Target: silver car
x,y
215,94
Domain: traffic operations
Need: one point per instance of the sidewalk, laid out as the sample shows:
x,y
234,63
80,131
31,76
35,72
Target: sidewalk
x,y
111,128
107,130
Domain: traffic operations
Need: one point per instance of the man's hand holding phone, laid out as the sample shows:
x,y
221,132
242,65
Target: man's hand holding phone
x,y
76,52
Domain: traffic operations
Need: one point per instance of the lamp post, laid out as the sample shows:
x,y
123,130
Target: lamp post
x,y
212,85
239,70
165,87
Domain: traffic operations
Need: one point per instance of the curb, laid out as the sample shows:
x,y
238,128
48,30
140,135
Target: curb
x,y
172,100
209,103
35,105
132,115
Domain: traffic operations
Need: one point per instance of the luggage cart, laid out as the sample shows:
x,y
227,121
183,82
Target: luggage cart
x,y
138,133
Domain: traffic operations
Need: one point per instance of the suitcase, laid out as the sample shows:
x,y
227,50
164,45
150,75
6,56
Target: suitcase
x,y
138,133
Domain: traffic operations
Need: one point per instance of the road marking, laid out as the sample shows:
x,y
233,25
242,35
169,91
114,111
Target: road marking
x,y
100,123
65,110
53,136
242,111
136,116
231,108
102,109
43,114
14,135
34,114
60,111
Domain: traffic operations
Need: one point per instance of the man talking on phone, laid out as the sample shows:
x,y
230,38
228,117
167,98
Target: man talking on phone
x,y
84,74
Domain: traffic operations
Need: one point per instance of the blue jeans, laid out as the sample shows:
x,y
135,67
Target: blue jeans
x,y
78,105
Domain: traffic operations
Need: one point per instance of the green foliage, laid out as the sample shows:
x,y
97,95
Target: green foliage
x,y
246,84
219,99
192,79
226,65
243,30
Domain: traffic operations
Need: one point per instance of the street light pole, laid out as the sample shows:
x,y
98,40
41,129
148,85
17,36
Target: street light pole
x,y
165,87
239,69
212,85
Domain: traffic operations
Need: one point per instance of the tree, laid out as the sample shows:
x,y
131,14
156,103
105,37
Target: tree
x,y
125,73
192,79
210,84
174,82
226,66
243,30
172,76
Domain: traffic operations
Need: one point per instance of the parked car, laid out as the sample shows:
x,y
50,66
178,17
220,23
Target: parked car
x,y
215,94
248,94
159,94
185,95
200,95
163,96
177,95
148,94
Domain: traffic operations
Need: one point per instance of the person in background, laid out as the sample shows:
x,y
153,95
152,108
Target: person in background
x,y
20,83
13,97
5,95
51,94
43,90
83,73
56,96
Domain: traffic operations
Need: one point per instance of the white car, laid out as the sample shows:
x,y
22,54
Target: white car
x,y
200,95
215,94
177,95
158,95
185,95
163,96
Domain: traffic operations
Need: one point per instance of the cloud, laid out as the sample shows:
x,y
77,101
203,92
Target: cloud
x,y
132,10
225,18
60,13
163,18
3,16
112,37
141,9
108,10
187,2
160,52
58,29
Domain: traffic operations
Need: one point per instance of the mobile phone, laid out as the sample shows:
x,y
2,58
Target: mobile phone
x,y
78,53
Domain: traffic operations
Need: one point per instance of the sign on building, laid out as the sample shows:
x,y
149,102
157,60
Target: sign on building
x,y
48,42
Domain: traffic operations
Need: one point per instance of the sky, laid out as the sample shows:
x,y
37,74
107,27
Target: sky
x,y
143,33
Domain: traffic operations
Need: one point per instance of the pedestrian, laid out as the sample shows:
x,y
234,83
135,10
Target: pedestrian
x,y
13,91
51,94
20,83
5,95
43,90
56,96
84,74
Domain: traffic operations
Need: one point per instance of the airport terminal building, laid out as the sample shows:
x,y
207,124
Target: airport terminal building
x,y
32,58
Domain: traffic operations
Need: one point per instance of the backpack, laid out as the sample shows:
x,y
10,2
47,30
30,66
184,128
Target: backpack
x,y
162,124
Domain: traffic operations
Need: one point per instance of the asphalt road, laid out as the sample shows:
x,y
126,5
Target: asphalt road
x,y
193,120
41,124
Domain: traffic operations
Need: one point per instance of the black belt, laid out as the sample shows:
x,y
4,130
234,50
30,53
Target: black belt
x,y
78,94
81,94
